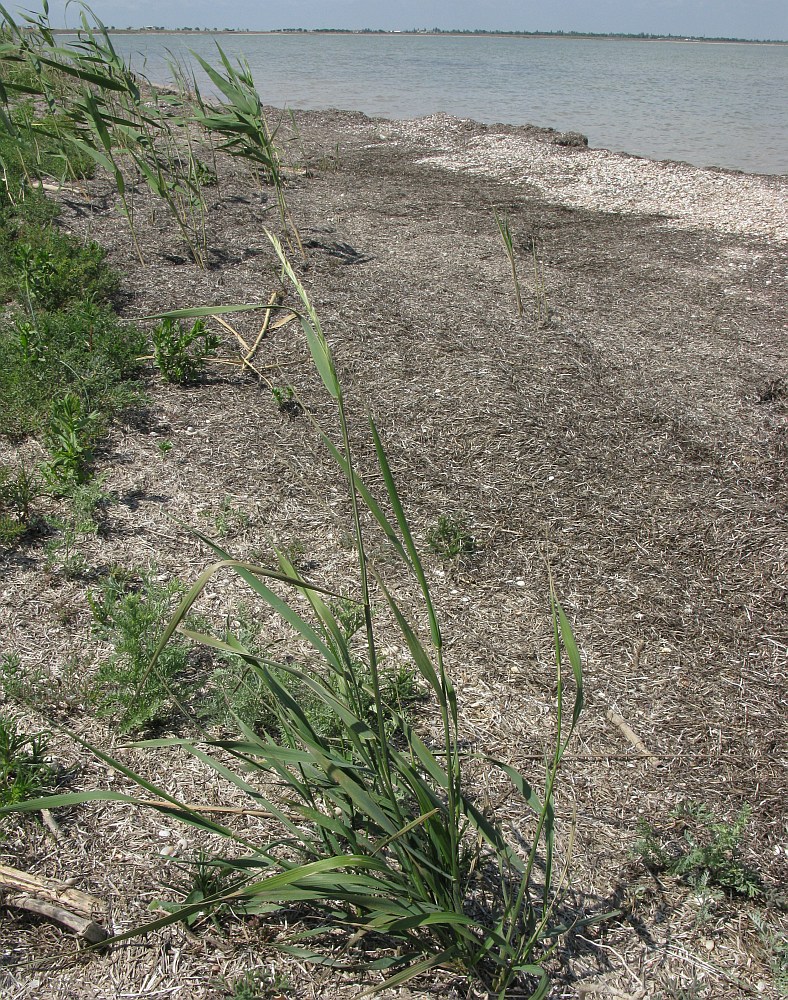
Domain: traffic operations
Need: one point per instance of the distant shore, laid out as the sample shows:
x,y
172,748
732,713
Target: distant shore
x,y
438,34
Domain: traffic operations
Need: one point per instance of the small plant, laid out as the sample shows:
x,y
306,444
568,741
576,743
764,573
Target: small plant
x,y
508,243
230,519
132,619
180,353
450,537
701,850
203,878
164,447
286,402
72,431
19,489
24,770
257,984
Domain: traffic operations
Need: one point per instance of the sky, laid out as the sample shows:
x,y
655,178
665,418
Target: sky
x,y
731,18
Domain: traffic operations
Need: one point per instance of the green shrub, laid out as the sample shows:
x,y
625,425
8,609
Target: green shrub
x,y
58,269
706,853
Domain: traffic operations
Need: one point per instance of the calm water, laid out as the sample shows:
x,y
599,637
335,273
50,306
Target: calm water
x,y
722,105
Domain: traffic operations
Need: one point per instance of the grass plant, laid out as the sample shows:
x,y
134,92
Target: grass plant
x,y
450,537
504,229
379,834
25,772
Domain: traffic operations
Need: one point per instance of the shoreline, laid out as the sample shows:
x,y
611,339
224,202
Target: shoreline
x,y
567,36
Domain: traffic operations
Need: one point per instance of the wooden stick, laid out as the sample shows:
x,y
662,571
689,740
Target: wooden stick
x,y
53,900
631,736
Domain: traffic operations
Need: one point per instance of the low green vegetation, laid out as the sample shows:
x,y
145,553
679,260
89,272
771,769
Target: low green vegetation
x,y
181,351
25,771
450,537
130,613
701,850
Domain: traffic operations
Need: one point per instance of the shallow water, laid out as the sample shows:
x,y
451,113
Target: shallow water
x,y
710,104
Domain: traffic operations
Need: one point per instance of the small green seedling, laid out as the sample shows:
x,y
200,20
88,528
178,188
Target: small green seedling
x,y
450,537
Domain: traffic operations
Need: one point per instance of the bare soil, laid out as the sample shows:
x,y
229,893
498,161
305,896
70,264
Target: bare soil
x,y
635,445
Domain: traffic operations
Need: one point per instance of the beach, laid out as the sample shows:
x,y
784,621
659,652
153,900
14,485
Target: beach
x,y
625,438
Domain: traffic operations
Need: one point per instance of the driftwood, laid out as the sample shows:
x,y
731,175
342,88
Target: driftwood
x,y
53,900
631,736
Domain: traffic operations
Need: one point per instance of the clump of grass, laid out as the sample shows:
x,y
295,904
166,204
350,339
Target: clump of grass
x,y
450,537
25,771
378,833
706,853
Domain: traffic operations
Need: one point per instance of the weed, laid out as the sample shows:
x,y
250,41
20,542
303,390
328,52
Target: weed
x,y
450,537
230,519
19,489
256,984
132,619
83,349
203,878
24,770
705,853
72,431
286,402
180,352
48,270
164,447
508,243
774,941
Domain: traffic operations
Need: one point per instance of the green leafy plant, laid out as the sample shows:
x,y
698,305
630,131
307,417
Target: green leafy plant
x,y
83,349
24,769
701,850
181,352
379,834
72,431
132,617
450,537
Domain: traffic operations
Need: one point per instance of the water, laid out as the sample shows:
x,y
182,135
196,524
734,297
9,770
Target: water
x,y
709,104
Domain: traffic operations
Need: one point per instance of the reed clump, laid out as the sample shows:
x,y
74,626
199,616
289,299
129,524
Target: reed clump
x,y
377,831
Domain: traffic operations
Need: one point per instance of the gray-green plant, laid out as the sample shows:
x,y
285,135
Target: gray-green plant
x,y
379,833
450,537
181,351
706,853
131,615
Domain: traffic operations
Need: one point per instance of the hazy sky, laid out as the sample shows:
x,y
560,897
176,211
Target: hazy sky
x,y
738,18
